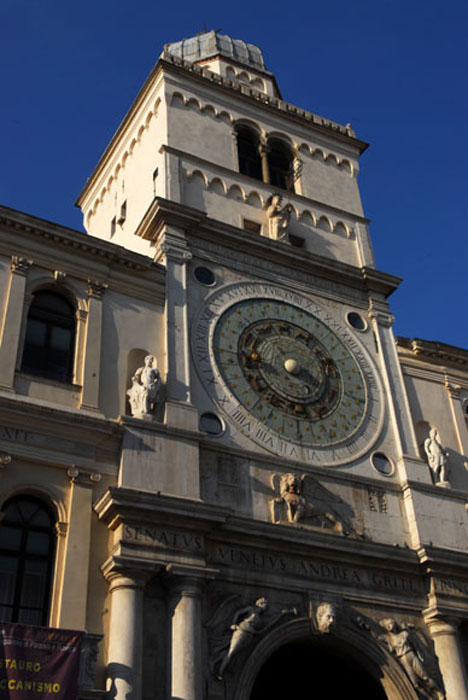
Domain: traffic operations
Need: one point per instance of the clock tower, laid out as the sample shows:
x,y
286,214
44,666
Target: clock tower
x,y
275,507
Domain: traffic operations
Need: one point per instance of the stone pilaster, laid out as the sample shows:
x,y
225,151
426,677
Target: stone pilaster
x,y
92,356
12,319
444,633
458,416
74,588
382,322
174,253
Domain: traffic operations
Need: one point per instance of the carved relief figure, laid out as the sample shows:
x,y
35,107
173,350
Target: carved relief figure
x,y
247,623
293,505
145,389
402,643
325,617
436,457
278,218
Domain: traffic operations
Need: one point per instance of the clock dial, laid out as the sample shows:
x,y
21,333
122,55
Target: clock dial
x,y
291,380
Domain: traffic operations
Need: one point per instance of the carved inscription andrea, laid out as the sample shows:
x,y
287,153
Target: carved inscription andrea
x,y
314,569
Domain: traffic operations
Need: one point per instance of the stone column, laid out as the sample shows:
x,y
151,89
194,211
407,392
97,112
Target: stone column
x,y
186,638
124,660
12,319
92,356
263,150
451,664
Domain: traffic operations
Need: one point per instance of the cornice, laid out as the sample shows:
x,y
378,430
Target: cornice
x,y
163,212
246,93
76,239
432,352
120,504
264,101
135,274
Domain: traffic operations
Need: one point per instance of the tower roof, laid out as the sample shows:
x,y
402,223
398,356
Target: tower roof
x,y
209,44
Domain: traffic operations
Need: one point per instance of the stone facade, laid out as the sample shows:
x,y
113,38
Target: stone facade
x,y
252,481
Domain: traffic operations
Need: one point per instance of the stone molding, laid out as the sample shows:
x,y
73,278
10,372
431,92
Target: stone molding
x,y
96,288
20,265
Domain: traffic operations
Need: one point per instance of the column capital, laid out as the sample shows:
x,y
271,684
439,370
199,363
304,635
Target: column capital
x,y
452,389
189,580
121,573
20,265
173,246
439,623
96,288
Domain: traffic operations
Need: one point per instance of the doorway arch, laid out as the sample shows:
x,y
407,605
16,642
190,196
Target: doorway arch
x,y
312,667
347,647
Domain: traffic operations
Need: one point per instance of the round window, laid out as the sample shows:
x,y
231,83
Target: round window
x,y
211,424
382,463
356,321
205,276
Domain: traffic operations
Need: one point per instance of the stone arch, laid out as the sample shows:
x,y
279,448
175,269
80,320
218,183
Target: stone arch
x,y
44,493
360,646
217,185
254,200
177,99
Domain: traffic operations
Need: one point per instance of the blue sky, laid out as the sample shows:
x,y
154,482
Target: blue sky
x,y
396,70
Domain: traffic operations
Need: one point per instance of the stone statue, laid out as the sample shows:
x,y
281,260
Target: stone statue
x,y
293,503
402,643
325,617
247,623
278,218
436,457
145,388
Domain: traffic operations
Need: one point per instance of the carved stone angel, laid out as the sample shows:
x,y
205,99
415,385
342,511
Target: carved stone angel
x,y
145,389
248,623
402,642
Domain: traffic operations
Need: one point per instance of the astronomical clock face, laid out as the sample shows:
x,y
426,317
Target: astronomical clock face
x,y
287,374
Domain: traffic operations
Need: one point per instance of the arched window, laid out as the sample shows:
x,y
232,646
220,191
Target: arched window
x,y
280,165
250,162
50,337
27,548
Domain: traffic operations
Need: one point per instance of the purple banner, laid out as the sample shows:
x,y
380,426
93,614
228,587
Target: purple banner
x,y
38,662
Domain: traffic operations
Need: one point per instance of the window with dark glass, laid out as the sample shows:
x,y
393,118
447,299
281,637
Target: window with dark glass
x,y
27,548
280,165
250,162
50,337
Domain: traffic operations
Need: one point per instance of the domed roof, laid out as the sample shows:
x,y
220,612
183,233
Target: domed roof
x,y
209,44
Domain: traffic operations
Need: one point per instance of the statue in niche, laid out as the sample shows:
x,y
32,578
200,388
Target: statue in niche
x,y
278,218
146,386
325,617
436,458
402,641
293,505
248,622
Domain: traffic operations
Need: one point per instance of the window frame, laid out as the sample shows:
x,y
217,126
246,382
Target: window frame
x,y
22,556
51,320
